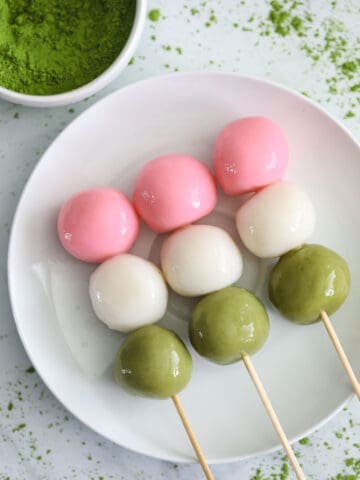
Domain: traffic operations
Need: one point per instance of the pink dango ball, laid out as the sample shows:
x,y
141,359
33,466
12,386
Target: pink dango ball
x,y
172,191
249,154
96,224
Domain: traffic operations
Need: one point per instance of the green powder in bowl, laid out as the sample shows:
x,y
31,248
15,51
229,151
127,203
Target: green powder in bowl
x,y
54,46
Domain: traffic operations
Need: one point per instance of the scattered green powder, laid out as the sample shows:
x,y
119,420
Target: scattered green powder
x,y
339,476
258,475
352,462
71,110
283,474
16,115
10,406
21,426
283,20
179,50
355,88
353,465
349,68
284,471
325,41
194,11
212,19
349,114
297,23
30,370
338,435
53,47
167,48
154,15
304,441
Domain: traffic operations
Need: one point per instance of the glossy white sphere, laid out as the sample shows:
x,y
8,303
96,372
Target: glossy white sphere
x,y
275,220
128,292
200,259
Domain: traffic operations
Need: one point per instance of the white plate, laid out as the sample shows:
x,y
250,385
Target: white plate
x,y
73,352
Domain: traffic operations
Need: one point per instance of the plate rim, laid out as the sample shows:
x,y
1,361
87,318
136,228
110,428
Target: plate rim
x,y
11,253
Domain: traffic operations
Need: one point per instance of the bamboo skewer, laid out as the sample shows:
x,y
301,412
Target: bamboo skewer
x,y
192,438
340,351
273,417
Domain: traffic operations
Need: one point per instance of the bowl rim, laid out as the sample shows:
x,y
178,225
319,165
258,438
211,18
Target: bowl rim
x,y
95,85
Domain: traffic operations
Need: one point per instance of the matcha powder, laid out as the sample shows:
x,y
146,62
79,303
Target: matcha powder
x,y
53,46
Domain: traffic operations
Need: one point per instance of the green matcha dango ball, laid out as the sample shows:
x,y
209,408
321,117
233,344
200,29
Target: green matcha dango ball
x,y
153,362
307,280
228,324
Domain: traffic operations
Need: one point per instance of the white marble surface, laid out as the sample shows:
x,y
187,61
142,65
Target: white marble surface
x,y
39,439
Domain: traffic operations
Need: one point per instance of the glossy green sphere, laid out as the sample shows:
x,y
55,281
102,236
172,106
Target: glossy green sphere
x,y
153,362
307,280
228,324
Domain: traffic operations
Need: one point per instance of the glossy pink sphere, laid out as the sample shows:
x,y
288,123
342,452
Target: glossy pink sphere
x,y
173,191
250,153
97,224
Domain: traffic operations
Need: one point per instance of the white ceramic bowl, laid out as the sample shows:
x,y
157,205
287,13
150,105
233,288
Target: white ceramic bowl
x,y
95,85
73,352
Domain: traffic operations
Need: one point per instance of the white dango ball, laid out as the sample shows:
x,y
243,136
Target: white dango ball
x,y
275,220
128,292
200,259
